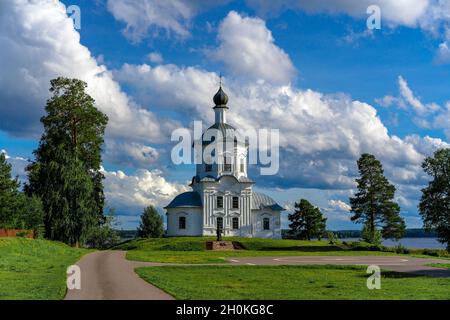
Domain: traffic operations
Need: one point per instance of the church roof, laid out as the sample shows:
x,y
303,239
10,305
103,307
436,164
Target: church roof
x,y
261,201
186,199
227,132
245,179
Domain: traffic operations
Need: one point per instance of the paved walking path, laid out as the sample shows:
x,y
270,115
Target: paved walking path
x,y
108,275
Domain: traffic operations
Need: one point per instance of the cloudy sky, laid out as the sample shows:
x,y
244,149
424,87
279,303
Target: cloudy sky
x,y
311,69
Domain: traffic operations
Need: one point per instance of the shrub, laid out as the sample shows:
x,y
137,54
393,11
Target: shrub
x,y
401,249
374,238
331,237
431,252
22,234
102,236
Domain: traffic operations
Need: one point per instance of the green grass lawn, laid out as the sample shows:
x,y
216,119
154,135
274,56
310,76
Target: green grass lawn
x,y
440,265
289,282
34,269
193,250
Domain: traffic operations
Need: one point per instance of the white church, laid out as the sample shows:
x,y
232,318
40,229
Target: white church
x,y
222,193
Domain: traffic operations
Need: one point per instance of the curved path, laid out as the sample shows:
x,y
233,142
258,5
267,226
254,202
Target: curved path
x,y
107,275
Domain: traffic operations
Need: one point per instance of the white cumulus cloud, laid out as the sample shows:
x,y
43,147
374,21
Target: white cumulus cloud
x,y
399,12
129,194
39,43
248,49
339,204
155,57
148,18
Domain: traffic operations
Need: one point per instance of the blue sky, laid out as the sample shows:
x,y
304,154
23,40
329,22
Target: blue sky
x,y
314,71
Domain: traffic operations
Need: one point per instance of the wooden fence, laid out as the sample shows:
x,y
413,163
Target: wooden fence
x,y
12,233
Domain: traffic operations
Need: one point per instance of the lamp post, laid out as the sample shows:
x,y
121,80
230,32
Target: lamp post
x,y
219,232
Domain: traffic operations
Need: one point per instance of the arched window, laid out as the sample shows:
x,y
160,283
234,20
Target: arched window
x,y
266,224
219,202
235,202
182,223
242,165
235,223
227,164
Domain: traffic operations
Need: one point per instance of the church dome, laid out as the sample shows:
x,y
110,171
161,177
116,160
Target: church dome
x,y
186,199
261,201
220,98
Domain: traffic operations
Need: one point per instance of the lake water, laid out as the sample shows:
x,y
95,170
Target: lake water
x,y
412,243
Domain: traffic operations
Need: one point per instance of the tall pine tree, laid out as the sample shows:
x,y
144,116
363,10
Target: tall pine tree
x,y
307,221
435,203
66,173
373,204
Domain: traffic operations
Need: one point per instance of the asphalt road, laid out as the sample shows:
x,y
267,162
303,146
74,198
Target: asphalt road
x,y
107,275
393,263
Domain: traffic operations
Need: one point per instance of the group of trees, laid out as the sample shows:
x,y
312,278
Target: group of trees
x,y
434,205
17,210
63,199
373,204
64,192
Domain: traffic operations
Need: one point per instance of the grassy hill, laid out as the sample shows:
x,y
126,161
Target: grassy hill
x,y
193,249
34,269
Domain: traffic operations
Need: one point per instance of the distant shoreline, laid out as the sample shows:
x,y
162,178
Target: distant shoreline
x,y
409,242
410,233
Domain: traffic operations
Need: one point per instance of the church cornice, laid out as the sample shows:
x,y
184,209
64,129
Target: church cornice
x,y
210,179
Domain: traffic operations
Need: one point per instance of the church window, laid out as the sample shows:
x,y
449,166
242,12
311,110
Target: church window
x,y
266,224
182,223
208,167
235,202
219,202
227,164
242,169
235,223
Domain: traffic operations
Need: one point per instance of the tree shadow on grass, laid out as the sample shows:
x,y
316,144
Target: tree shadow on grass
x,y
412,274
304,248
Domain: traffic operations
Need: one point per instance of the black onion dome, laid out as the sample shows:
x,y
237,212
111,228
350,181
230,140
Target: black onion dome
x,y
220,98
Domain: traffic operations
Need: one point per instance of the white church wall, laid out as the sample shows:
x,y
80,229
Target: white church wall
x,y
227,187
194,223
274,224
